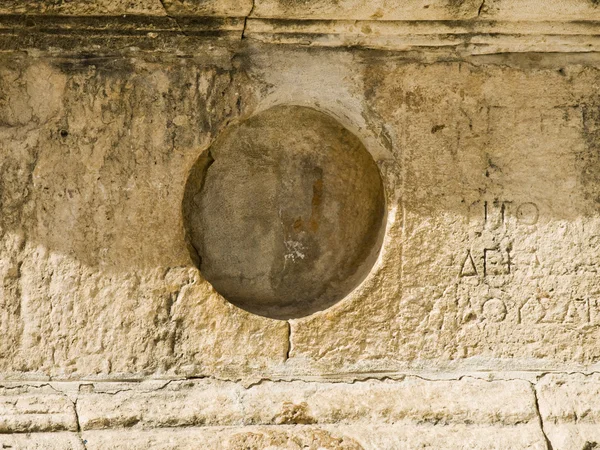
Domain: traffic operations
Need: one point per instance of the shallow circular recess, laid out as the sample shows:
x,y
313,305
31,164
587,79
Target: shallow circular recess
x,y
284,213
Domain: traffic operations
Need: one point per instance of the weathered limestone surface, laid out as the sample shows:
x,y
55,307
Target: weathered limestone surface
x,y
43,441
196,403
405,413
35,408
570,410
401,198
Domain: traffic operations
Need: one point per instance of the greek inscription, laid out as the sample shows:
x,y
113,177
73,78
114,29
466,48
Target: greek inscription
x,y
468,268
528,213
498,213
531,312
494,214
546,310
494,310
495,262
491,252
578,312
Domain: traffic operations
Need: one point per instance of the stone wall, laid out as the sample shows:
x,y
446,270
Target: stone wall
x,y
300,224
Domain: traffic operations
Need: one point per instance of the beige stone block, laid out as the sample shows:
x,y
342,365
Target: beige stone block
x,y
210,402
424,10
33,409
42,441
357,437
488,259
570,409
368,10
480,276
129,287
83,7
538,11
227,8
465,38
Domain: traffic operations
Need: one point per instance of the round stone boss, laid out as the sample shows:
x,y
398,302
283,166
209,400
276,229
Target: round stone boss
x,y
284,213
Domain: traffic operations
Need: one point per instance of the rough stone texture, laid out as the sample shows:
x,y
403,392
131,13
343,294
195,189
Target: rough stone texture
x,y
229,8
475,324
429,9
570,410
42,441
35,409
319,438
82,7
197,403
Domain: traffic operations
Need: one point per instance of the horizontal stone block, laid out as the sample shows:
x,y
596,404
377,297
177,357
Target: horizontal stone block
x,y
406,10
216,403
187,35
466,37
223,8
83,7
369,10
429,10
558,11
489,254
570,409
42,441
30,408
357,437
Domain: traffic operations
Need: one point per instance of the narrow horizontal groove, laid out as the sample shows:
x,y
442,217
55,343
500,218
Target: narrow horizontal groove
x,y
118,24
373,27
182,33
132,25
129,33
445,37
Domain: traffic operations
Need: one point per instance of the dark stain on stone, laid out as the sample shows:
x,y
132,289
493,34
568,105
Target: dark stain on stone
x,y
437,128
106,65
590,445
589,159
491,167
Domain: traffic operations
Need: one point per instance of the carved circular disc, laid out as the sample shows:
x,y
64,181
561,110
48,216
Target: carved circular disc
x,y
283,214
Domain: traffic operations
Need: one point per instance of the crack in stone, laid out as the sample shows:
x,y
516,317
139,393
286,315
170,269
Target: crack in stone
x,y
336,378
174,19
576,372
540,418
294,380
78,423
374,377
479,11
246,18
74,403
289,341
